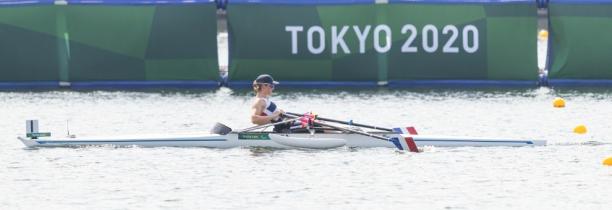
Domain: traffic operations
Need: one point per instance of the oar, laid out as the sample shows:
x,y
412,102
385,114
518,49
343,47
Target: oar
x,y
268,125
404,144
347,122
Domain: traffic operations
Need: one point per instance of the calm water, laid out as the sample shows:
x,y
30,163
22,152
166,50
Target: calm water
x,y
566,174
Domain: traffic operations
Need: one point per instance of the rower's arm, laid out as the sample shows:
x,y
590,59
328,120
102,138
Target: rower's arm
x,y
256,116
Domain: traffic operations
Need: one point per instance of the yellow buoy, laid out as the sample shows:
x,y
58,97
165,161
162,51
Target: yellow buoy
x,y
608,161
580,129
559,102
543,34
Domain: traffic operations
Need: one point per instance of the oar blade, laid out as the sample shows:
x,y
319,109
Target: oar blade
x,y
405,142
220,129
406,130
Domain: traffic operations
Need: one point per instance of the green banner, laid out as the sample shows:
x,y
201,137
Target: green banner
x,y
28,44
142,42
108,42
470,41
581,42
294,42
382,42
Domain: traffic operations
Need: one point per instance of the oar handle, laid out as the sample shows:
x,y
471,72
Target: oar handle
x,y
346,123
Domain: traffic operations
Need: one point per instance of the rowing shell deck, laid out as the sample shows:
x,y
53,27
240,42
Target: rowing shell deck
x,y
275,140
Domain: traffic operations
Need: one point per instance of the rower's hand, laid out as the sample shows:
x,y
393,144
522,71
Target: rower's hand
x,y
277,114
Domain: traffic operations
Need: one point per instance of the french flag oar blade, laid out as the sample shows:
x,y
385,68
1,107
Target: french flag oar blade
x,y
407,130
405,142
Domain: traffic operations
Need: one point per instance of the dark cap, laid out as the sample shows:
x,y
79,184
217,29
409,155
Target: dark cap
x,y
265,79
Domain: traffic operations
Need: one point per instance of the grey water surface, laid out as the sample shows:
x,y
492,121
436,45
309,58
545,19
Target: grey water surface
x,y
566,174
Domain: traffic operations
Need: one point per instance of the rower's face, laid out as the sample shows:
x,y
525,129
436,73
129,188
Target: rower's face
x,y
268,88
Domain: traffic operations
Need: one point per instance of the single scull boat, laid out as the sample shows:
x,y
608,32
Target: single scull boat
x,y
331,139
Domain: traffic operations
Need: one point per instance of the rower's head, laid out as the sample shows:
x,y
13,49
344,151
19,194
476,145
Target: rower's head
x,y
264,83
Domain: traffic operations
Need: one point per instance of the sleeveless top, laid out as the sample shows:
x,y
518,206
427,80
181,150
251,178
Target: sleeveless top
x,y
269,109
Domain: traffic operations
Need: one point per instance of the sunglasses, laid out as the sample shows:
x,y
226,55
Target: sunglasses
x,y
267,84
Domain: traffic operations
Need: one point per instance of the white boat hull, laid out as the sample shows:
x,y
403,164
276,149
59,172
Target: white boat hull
x,y
256,139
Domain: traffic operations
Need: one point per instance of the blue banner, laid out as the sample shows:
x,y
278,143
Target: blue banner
x,y
580,1
302,2
102,2
22,2
462,1
140,2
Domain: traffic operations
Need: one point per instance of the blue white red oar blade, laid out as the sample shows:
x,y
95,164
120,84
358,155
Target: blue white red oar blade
x,y
406,130
405,142
396,142
410,143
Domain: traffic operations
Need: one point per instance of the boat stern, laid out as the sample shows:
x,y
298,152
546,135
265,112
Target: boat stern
x,y
28,142
32,134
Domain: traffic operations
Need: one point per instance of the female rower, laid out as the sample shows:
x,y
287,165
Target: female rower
x,y
265,111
